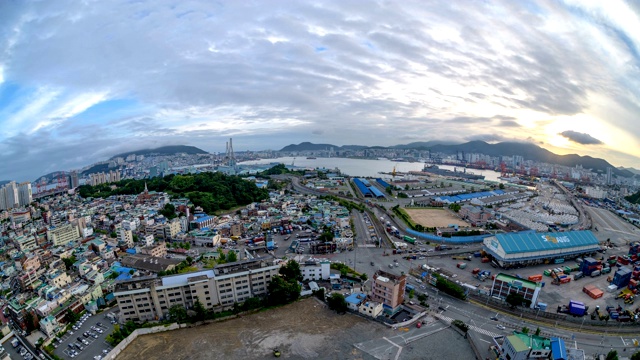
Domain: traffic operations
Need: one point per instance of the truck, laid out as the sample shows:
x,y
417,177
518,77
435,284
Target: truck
x,y
15,342
595,273
442,247
409,239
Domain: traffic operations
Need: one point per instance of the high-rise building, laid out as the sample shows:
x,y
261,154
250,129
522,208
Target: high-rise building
x,y
609,176
74,180
10,195
24,194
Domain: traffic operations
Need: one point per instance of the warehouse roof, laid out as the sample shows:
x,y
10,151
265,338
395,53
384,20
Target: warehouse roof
x,y
535,241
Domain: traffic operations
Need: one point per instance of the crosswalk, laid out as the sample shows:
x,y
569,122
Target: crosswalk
x,y
471,327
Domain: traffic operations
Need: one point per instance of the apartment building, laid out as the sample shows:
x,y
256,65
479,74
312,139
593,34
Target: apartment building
x,y
157,250
25,243
125,237
150,298
388,289
63,234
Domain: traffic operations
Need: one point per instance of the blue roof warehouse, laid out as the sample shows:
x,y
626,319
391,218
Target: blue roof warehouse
x,y
530,248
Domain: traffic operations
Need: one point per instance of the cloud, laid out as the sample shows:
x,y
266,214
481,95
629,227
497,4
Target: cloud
x,y
92,77
581,138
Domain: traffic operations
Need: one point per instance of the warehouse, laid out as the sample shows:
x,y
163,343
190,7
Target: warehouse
x,y
530,248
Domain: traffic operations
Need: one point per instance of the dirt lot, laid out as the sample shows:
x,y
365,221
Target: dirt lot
x,y
434,217
302,330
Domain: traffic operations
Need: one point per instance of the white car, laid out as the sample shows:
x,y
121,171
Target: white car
x,y
501,327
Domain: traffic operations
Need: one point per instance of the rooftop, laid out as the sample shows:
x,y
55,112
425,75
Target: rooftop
x,y
534,241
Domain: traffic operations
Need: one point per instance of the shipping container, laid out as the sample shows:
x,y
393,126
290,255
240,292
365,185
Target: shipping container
x,y
535,278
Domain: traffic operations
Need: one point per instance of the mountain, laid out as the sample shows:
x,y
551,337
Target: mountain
x,y
307,146
633,170
423,144
532,152
2,182
164,150
97,168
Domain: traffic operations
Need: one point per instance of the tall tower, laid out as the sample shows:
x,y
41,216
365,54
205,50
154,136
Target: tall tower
x,y
230,157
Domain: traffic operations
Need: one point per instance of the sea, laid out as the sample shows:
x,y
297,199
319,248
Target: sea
x,y
364,167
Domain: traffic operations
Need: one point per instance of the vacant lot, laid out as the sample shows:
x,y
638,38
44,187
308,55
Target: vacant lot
x,y
434,217
303,330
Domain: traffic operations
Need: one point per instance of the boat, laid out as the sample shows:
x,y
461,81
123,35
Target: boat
x,y
434,169
311,157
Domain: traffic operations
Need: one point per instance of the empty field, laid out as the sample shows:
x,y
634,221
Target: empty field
x,y
434,217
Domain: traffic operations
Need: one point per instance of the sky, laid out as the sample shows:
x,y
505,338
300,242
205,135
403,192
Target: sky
x,y
81,81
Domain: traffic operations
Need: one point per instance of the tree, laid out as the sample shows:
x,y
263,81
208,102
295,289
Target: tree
x,y
612,355
538,332
178,313
169,211
222,258
189,260
201,312
232,257
338,303
455,207
135,238
29,319
282,291
635,356
501,186
411,293
71,317
514,299
68,262
131,272
252,303
291,271
363,277
114,275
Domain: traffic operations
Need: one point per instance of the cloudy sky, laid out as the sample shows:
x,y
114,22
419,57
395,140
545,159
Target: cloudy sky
x,y
83,80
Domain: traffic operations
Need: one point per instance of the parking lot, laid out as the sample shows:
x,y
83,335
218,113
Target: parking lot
x,y
87,341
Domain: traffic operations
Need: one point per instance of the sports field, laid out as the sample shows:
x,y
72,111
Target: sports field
x,y
434,217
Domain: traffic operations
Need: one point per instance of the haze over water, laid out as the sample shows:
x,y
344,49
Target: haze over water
x,y
365,167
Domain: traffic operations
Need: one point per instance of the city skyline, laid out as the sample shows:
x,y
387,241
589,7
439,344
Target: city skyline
x,y
82,82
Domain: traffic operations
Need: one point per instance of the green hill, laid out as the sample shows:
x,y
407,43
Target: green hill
x,y
164,150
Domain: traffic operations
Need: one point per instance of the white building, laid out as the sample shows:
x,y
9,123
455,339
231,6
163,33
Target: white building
x,y
126,236
312,270
370,308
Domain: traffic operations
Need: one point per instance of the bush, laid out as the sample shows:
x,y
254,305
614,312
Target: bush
x,y
460,325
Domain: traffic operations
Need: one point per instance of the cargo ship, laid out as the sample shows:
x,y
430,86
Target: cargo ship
x,y
311,157
434,169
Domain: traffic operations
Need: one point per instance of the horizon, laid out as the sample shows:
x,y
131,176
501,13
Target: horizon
x,y
80,83
279,149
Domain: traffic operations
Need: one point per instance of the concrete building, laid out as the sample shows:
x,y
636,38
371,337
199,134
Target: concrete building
x,y
312,270
388,289
371,308
126,237
157,250
521,346
24,194
504,284
25,243
9,196
63,234
149,298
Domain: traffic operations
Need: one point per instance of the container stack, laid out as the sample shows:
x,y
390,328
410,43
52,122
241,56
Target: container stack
x,y
590,265
622,277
